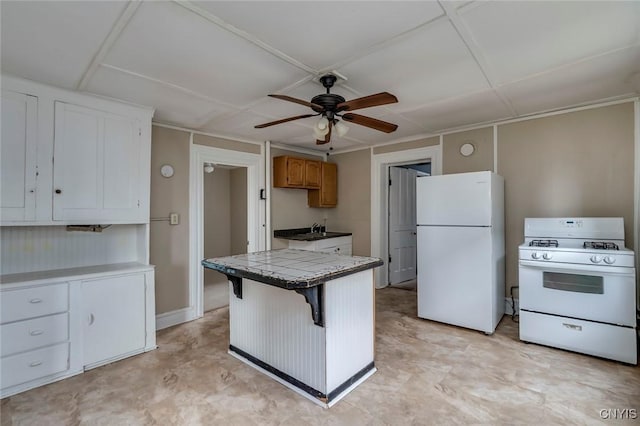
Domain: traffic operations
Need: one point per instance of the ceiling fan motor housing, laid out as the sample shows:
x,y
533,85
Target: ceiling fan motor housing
x,y
328,101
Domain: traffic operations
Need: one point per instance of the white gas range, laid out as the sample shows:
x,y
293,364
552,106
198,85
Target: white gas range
x,y
578,287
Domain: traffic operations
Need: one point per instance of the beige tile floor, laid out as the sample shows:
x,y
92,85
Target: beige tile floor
x,y
428,373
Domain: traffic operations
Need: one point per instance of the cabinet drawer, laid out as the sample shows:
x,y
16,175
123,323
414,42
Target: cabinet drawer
x,y
33,302
332,242
593,338
25,335
21,368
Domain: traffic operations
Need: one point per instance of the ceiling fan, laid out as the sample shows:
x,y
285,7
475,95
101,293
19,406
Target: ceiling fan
x,y
332,107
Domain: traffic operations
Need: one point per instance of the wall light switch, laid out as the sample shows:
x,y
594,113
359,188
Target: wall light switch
x,y
174,218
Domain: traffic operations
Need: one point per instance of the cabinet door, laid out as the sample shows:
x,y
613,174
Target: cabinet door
x,y
18,157
96,174
295,171
312,174
327,195
329,187
114,317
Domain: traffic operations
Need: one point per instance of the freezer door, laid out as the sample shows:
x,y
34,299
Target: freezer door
x,y
455,280
459,199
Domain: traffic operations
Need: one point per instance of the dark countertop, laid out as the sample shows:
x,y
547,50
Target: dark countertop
x,y
291,269
305,234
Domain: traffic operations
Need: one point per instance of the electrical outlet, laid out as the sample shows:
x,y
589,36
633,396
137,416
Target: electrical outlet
x,y
174,218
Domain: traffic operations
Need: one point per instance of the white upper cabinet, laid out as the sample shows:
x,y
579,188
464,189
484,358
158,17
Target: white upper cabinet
x,y
70,158
18,156
95,173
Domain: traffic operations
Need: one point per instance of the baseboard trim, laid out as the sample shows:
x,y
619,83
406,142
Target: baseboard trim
x,y
171,318
507,306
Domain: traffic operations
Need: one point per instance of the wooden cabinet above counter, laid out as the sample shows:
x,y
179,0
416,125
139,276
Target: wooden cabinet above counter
x,y
291,172
320,178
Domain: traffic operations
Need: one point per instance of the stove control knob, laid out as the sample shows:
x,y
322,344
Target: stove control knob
x,y
547,256
535,255
596,259
610,260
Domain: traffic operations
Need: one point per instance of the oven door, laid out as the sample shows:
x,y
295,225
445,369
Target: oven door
x,y
604,294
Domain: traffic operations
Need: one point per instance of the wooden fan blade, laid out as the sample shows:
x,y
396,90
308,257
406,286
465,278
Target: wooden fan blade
x,y
327,137
383,98
284,120
374,123
315,107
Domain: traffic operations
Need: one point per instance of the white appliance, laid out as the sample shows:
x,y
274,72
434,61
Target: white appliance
x,y
460,221
578,287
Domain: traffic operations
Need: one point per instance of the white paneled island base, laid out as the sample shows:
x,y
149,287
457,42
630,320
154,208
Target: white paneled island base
x,y
321,356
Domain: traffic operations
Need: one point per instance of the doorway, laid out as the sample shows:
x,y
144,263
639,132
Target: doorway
x,y
225,225
380,165
253,207
402,230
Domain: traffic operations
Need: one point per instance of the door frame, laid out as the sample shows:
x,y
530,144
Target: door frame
x,y
380,164
256,209
389,231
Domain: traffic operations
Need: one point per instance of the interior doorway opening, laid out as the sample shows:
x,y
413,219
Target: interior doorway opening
x,y
402,229
253,211
225,225
380,166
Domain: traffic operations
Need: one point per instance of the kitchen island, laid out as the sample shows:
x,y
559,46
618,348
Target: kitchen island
x,y
304,318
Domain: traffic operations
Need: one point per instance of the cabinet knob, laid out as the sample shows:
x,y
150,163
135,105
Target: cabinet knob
x,y
58,191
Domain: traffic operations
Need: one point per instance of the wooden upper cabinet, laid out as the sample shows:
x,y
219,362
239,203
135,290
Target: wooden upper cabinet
x,y
291,172
312,174
327,195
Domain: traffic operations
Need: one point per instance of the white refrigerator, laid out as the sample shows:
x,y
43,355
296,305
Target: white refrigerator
x,y
461,256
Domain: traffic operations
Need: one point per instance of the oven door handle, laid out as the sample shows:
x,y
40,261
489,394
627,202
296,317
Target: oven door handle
x,y
573,268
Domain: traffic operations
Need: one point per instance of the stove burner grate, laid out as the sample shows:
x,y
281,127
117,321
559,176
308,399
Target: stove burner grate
x,y
600,245
543,243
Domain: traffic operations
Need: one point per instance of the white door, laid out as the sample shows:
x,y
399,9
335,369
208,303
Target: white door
x,y
96,173
402,224
454,276
458,199
18,157
114,317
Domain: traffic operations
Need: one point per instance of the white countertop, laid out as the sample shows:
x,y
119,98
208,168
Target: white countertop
x,y
81,272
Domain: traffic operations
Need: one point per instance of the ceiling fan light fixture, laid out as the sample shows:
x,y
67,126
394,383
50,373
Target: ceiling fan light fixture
x,y
320,134
341,128
322,124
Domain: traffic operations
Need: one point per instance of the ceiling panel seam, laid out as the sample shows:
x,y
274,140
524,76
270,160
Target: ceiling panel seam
x,y
569,64
383,44
171,86
108,42
248,107
476,53
244,35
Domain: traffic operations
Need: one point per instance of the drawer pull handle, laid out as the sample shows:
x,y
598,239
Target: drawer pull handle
x,y
35,301
572,326
36,332
91,319
35,363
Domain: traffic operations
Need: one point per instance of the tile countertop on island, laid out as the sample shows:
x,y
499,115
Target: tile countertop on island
x,y
291,269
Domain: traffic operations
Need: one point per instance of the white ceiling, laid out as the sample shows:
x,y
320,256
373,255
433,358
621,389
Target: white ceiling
x,y
210,65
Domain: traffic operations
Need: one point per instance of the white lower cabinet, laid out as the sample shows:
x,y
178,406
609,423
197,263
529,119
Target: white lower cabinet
x,y
54,328
114,318
36,364
337,245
